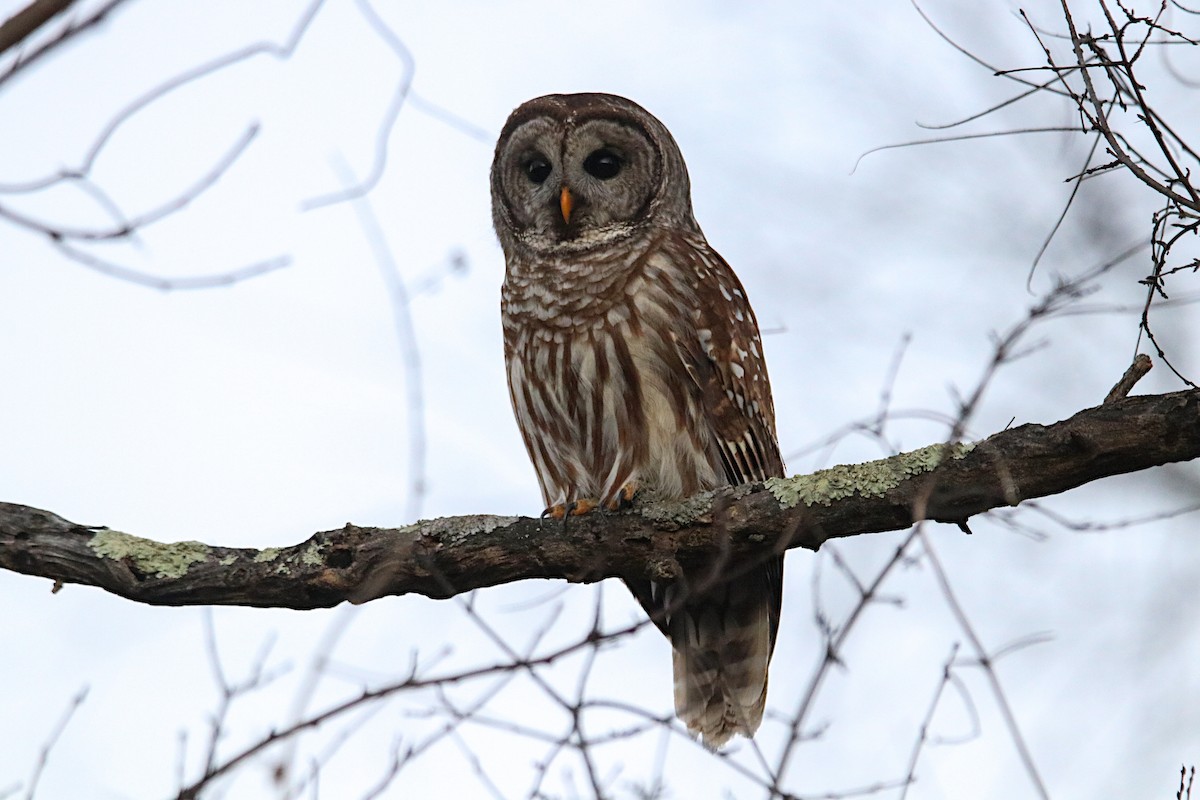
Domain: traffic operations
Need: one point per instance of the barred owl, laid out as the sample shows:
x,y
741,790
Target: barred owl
x,y
635,366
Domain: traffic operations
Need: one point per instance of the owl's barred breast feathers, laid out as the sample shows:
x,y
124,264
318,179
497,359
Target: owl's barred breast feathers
x,y
634,362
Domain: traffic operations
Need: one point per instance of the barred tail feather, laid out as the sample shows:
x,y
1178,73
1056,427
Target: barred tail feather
x,y
722,645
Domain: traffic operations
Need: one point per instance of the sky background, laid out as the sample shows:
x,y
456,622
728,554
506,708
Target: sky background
x,y
254,414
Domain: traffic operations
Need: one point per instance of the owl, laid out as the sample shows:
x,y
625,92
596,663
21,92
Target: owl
x,y
635,366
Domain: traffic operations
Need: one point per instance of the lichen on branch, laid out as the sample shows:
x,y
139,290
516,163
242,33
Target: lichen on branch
x,y
444,557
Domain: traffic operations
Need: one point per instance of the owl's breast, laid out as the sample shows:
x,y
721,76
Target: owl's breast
x,y
603,383
565,298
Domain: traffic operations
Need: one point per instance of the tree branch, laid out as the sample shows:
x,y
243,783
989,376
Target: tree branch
x,y
22,24
443,557
25,23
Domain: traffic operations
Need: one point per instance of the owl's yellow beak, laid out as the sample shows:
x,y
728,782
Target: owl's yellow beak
x,y
565,202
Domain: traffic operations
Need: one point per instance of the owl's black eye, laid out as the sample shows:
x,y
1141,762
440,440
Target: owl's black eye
x,y
602,164
537,169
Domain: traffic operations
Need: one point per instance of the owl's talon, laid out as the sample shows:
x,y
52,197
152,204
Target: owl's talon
x,y
575,508
624,498
581,507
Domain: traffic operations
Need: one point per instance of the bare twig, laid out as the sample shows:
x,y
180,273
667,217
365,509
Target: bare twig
x,y
368,696
1090,526
408,66
1100,120
44,754
1077,183
182,200
987,662
406,336
126,226
1137,370
923,732
184,283
964,137
830,657
280,51
229,692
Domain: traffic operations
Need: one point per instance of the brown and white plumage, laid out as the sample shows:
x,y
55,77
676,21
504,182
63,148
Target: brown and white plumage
x,y
635,363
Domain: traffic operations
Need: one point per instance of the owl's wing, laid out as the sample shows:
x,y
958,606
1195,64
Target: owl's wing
x,y
724,635
722,354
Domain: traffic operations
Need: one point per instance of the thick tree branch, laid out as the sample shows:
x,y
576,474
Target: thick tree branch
x,y
19,27
22,24
440,558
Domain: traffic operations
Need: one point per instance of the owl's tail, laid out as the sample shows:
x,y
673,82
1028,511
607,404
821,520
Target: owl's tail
x,y
722,642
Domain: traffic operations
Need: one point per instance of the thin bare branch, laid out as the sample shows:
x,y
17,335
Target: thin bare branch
x,y
181,200
1077,182
1137,370
408,66
279,51
406,336
368,696
1102,123
986,661
923,732
960,138
44,752
128,226
184,283
831,656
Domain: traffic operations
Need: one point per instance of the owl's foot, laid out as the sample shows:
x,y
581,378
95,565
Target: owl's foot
x,y
575,508
624,498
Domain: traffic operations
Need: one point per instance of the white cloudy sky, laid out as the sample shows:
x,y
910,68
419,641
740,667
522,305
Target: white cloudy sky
x,y
253,415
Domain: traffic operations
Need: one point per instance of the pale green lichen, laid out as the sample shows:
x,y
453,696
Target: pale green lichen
x,y
490,523
312,556
227,560
270,554
160,559
872,479
675,514
452,530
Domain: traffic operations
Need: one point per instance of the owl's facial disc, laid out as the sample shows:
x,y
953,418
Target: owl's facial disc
x,y
574,181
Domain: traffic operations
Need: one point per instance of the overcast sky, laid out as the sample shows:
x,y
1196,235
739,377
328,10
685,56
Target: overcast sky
x,y
254,414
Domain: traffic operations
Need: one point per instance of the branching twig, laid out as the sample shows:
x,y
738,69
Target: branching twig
x,y
986,661
44,753
923,733
1137,370
1100,121
408,67
128,226
406,337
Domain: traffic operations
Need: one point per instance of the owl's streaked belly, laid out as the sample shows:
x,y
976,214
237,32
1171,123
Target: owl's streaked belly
x,y
599,409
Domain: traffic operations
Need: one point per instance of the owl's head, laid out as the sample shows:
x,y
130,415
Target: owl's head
x,y
576,171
